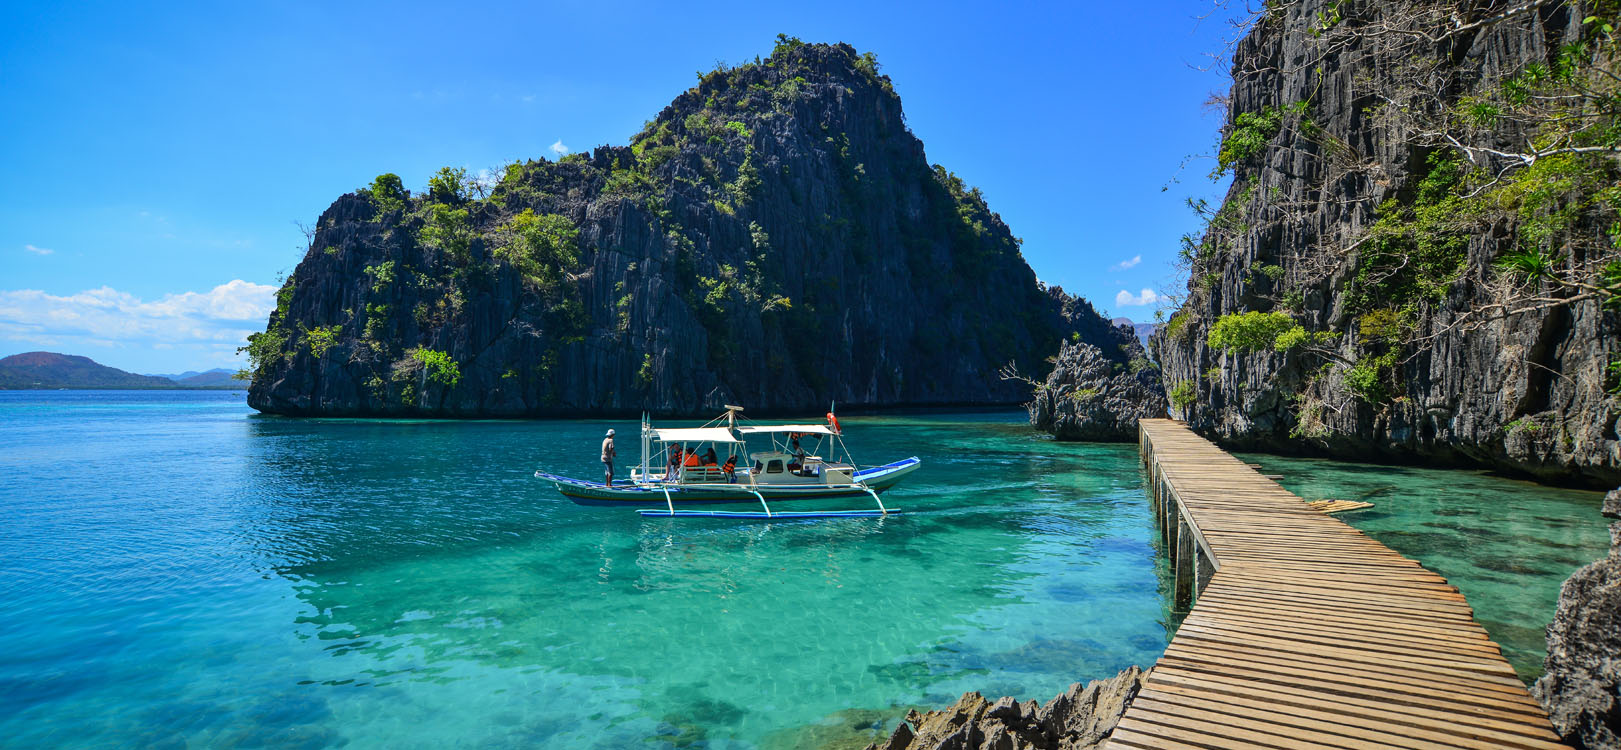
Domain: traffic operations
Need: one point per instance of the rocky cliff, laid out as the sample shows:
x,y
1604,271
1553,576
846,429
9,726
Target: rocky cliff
x,y
774,238
1087,396
1581,682
1417,256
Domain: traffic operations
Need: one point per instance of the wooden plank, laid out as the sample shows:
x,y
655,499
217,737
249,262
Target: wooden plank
x,y
1254,734
1321,730
1395,694
1479,661
1381,639
1504,733
1357,725
1337,506
1468,687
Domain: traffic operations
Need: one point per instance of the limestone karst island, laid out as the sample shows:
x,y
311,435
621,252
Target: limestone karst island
x,y
653,377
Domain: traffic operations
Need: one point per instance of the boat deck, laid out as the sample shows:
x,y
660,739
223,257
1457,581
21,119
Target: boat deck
x,y
1305,632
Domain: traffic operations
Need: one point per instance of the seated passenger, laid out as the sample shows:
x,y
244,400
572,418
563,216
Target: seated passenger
x,y
674,463
691,459
709,458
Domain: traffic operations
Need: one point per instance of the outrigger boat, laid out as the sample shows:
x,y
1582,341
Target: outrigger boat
x,y
793,468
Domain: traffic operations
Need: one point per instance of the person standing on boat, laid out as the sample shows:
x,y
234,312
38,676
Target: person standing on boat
x,y
608,454
674,466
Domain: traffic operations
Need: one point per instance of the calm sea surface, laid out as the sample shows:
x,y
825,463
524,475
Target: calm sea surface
x,y
175,571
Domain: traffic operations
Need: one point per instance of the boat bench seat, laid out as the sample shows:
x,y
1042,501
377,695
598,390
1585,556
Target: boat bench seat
x,y
709,474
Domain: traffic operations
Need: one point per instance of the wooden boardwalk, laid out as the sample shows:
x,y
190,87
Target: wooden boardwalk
x,y
1305,632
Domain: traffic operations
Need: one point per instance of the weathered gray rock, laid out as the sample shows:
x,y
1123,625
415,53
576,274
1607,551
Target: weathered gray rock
x,y
1581,681
1526,393
1091,397
775,238
1080,719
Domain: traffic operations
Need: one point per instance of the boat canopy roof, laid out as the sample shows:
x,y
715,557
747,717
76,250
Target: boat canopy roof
x,y
815,429
696,435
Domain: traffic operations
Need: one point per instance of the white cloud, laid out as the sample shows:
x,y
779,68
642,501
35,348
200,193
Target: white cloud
x,y
1125,264
38,250
559,149
211,324
1127,299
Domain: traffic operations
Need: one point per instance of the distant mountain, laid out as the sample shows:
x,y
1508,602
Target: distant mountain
x,y
218,377
178,376
1143,330
49,370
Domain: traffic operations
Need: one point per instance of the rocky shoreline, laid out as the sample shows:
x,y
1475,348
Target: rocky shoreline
x,y
1081,718
1581,683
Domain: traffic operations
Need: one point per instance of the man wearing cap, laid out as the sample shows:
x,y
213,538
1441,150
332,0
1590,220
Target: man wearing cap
x,y
608,457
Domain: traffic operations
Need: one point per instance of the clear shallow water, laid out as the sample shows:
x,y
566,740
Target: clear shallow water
x,y
1507,544
175,571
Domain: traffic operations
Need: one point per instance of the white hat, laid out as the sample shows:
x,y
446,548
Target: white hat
x,y
610,433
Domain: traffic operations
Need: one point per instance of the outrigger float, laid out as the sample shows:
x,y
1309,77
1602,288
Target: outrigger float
x,y
675,472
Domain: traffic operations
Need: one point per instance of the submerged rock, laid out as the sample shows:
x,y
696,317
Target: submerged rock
x,y
1581,683
1079,719
1091,397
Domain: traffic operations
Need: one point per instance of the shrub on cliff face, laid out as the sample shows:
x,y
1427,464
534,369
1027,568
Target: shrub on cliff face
x,y
1250,331
320,339
440,368
1183,394
449,185
1251,133
448,229
387,193
540,246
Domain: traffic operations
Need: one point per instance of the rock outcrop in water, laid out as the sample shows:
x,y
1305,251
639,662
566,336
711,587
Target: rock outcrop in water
x,y
1091,397
1581,681
1395,251
773,238
1080,719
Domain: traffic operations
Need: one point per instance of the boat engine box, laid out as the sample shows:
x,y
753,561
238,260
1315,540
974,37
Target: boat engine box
x,y
838,474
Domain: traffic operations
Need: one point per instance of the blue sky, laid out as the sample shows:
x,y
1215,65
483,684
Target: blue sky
x,y
157,158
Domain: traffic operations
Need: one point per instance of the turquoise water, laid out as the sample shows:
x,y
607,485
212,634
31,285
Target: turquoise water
x,y
1506,544
177,572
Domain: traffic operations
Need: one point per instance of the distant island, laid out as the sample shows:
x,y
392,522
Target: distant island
x,y
51,371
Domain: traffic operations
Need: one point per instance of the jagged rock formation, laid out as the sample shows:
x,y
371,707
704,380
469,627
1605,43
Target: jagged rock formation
x,y
1091,397
773,238
1385,250
1581,681
1079,719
